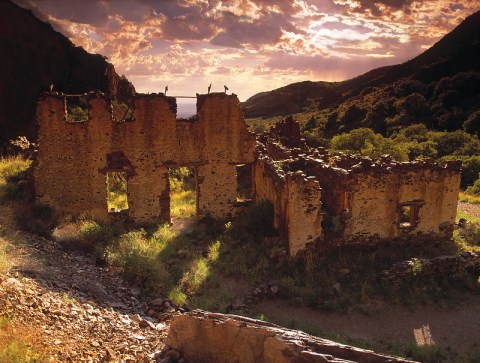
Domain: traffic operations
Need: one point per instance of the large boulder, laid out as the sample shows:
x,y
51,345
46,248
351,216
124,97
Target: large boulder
x,y
204,337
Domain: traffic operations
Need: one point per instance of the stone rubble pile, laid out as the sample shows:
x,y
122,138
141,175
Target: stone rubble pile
x,y
78,311
406,271
266,290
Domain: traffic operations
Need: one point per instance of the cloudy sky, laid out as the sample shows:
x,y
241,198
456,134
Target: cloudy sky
x,y
250,45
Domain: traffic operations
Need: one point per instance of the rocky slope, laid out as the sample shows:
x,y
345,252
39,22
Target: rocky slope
x,y
33,56
77,312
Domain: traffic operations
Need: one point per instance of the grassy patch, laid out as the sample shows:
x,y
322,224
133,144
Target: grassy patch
x,y
18,347
182,193
12,171
5,259
468,198
424,353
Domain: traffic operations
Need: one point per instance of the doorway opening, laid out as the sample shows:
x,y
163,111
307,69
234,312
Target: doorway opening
x,y
183,192
117,198
244,183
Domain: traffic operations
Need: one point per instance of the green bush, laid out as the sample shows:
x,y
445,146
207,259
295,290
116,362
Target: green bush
x,y
258,219
365,141
475,188
470,233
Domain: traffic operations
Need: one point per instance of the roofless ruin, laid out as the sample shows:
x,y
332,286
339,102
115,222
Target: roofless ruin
x,y
319,199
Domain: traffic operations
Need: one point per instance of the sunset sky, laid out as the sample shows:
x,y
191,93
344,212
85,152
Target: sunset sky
x,y
249,45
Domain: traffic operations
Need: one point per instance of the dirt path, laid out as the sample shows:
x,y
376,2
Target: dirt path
x,y
390,326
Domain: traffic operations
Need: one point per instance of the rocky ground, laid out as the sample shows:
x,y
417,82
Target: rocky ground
x,y
76,311
472,209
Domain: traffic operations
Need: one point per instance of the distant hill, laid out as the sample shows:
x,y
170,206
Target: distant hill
x,y
444,81
32,57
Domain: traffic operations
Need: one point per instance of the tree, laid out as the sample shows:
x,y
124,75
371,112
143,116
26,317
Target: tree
x,y
364,141
472,124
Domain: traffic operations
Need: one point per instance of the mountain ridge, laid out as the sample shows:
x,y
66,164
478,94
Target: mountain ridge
x,y
34,56
458,51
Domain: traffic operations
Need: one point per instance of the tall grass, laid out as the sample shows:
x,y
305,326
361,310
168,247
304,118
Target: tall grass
x,y
12,170
182,193
137,255
468,198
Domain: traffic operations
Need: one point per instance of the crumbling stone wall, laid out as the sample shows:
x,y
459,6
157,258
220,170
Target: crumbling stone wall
x,y
296,200
348,199
378,190
73,158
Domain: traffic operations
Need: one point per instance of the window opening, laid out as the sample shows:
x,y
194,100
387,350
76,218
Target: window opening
x,y
244,182
183,192
122,111
408,214
76,108
186,110
117,196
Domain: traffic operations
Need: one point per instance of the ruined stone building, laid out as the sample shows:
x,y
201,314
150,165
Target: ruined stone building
x,y
318,199
74,158
326,200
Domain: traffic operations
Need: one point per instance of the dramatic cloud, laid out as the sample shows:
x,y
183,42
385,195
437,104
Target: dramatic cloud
x,y
251,45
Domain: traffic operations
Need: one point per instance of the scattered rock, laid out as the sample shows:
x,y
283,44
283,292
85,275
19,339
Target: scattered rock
x,y
337,288
83,313
13,281
136,290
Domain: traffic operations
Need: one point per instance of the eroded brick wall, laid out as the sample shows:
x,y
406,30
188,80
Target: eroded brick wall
x,y
73,158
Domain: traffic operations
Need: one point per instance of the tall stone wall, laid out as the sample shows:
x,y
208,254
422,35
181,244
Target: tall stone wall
x,y
296,201
74,158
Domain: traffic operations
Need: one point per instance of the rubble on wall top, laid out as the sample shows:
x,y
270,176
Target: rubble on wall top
x,y
279,138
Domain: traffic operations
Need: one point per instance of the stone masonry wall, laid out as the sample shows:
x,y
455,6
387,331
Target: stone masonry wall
x,y
361,200
73,158
296,201
375,197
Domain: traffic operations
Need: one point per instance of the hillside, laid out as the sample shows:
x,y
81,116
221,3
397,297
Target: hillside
x,y
443,84
32,57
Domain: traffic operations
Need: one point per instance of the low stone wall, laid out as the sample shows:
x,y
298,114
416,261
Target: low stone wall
x,y
406,271
204,337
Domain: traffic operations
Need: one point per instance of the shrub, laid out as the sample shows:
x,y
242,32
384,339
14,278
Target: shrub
x,y
475,188
364,141
138,257
471,233
258,219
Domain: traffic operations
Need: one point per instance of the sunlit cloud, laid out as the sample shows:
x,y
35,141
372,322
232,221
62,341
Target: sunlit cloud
x,y
253,45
